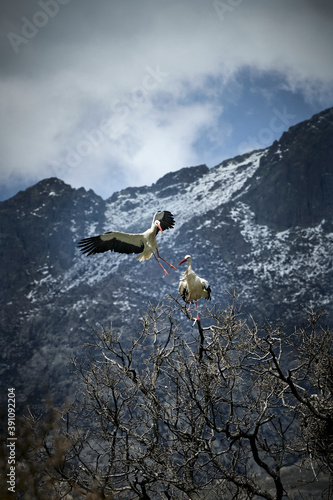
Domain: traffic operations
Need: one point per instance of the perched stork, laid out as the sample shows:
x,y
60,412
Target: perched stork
x,y
143,243
191,287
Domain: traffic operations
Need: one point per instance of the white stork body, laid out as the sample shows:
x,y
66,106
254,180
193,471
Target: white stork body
x,y
192,287
144,244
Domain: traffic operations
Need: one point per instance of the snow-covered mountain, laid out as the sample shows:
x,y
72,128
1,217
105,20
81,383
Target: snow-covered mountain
x,y
261,222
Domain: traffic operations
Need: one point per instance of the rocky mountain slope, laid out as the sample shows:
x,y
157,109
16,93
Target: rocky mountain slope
x,y
261,222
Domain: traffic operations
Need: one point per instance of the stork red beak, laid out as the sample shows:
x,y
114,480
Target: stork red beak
x,y
159,227
182,262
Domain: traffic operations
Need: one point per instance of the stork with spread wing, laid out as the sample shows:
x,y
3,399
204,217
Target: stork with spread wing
x,y
144,243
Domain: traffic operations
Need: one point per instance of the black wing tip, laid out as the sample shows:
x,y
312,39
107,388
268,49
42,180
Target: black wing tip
x,y
84,241
167,221
209,291
88,245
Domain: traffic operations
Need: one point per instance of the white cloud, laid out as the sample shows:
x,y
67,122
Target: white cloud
x,y
87,67
140,148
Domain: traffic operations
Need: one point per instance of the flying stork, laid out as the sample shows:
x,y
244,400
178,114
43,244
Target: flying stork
x,y
191,286
143,243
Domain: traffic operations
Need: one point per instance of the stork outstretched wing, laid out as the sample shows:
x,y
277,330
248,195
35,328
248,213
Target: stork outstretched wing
x,y
114,241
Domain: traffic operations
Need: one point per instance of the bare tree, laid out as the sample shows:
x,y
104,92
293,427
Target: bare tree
x,y
220,409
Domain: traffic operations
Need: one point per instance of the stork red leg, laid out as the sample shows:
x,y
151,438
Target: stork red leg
x,y
166,273
173,267
196,306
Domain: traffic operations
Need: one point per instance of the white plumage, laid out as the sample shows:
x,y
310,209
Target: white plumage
x,y
191,286
144,243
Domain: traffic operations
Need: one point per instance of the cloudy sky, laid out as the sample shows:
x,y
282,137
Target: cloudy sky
x,y
110,94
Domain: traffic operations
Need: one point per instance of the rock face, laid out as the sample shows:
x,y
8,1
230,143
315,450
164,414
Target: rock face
x,y
261,222
295,185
